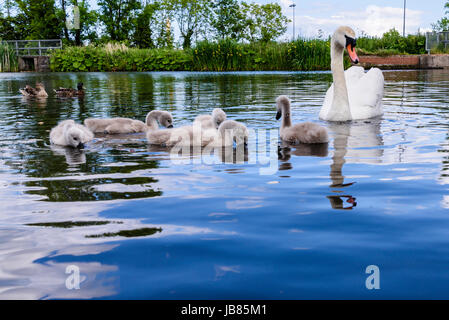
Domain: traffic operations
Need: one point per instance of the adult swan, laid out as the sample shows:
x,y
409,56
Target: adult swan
x,y
354,95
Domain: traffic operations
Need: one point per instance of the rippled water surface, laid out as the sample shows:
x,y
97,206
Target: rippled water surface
x,y
139,225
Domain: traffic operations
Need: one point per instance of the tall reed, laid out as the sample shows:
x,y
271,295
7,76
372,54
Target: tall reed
x,y
8,58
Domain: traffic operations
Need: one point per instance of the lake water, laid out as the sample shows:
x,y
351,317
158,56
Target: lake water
x,y
138,225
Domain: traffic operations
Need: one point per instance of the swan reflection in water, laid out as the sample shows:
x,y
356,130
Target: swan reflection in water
x,y
355,142
206,155
73,156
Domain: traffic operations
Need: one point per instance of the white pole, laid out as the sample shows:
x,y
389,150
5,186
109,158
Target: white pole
x,y
403,30
294,24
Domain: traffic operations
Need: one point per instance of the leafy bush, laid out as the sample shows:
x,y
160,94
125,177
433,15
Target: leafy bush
x,y
393,43
119,58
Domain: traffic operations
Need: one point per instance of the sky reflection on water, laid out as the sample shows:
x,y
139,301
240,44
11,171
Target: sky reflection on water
x,y
376,194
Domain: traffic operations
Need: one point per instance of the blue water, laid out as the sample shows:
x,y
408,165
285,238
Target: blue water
x,y
375,195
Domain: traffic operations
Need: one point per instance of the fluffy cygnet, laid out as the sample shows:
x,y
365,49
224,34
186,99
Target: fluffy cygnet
x,y
196,135
306,132
70,134
211,121
126,125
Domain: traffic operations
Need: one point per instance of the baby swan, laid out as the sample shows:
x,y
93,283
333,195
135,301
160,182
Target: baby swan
x,y
126,125
230,131
211,121
306,132
38,92
70,134
70,92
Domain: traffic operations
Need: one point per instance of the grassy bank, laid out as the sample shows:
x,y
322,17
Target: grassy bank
x,y
8,58
226,55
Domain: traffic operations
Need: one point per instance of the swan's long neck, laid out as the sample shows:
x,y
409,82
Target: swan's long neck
x,y
286,116
340,110
151,120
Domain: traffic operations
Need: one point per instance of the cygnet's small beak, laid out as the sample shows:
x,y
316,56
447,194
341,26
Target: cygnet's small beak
x,y
170,126
80,145
278,115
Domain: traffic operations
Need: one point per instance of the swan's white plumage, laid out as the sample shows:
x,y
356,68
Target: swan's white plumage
x,y
354,94
70,134
230,131
365,93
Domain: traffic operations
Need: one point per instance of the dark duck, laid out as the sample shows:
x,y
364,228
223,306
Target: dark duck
x,y
69,92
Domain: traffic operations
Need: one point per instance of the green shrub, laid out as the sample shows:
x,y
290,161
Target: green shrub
x,y
392,43
119,58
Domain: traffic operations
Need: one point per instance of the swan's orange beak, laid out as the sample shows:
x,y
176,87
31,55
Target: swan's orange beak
x,y
352,53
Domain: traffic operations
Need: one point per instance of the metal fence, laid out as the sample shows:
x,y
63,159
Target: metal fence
x,y
35,47
437,41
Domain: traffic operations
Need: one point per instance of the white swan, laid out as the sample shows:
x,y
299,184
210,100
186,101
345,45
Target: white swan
x,y
306,132
70,134
126,125
211,121
354,95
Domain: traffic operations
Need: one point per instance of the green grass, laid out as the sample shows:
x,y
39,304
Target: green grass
x,y
8,58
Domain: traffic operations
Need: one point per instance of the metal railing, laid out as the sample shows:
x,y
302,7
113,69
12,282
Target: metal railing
x,y
437,40
34,47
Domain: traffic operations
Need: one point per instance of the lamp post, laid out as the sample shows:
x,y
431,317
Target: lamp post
x,y
403,29
293,6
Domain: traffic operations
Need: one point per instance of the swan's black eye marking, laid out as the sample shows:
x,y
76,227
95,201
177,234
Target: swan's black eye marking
x,y
350,41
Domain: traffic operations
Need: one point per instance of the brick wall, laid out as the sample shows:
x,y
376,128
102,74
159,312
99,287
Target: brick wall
x,y
411,60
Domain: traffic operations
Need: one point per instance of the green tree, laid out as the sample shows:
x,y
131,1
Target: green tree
x,y
192,17
9,28
443,23
228,20
165,33
264,22
118,17
40,19
146,22
88,21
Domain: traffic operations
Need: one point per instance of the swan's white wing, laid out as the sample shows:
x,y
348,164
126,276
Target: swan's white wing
x,y
327,104
366,94
354,74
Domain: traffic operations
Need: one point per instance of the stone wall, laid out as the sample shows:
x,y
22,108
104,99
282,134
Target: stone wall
x,y
34,63
434,61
